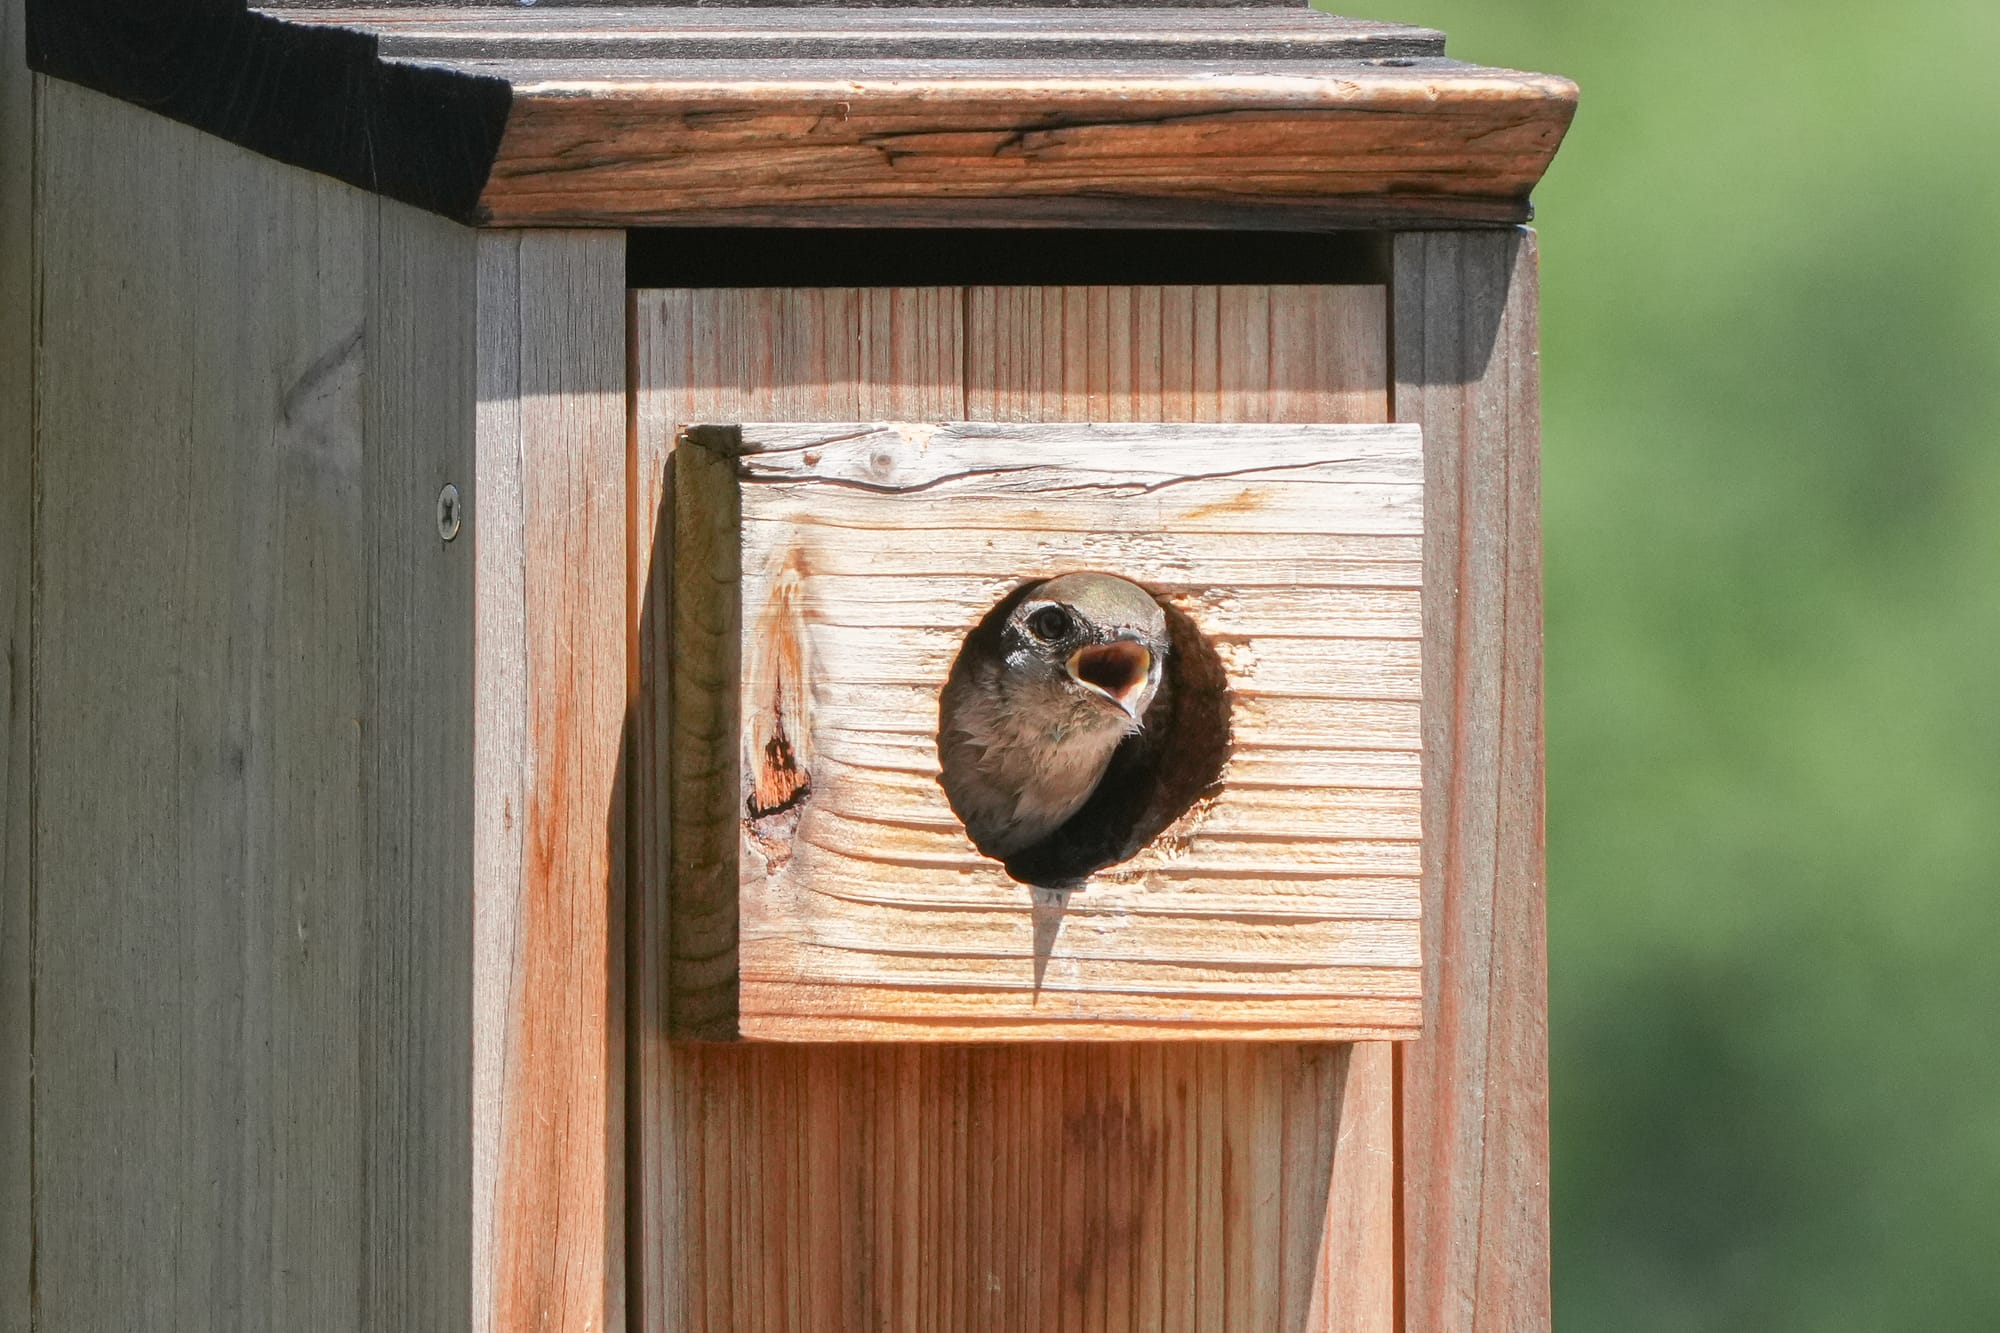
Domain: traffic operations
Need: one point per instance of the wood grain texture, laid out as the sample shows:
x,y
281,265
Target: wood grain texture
x,y
252,818
1207,353
759,145
886,352
1087,1186
549,524
16,668
702,766
865,911
1008,1186
1474,1094
421,344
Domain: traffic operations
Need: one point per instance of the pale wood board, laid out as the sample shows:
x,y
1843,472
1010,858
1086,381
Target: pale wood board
x,y
549,525
869,911
1474,1093
251,819
833,1187
16,562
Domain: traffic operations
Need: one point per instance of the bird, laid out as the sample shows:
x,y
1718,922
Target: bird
x,y
1042,694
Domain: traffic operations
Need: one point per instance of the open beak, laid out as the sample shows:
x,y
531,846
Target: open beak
x,y
1117,670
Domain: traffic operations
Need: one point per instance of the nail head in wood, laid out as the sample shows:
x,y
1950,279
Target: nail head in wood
x,y
450,512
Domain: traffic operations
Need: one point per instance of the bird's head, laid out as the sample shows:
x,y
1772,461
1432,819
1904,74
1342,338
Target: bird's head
x,y
1096,643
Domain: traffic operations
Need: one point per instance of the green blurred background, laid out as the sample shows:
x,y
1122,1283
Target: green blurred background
x,y
1771,369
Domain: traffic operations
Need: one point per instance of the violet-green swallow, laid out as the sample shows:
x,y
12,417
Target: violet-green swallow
x,y
1039,699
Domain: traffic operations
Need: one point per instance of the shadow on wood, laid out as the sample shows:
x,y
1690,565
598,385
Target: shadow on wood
x,y
1448,319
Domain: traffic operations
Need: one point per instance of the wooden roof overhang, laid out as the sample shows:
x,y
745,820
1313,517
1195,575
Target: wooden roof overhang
x,y
1082,114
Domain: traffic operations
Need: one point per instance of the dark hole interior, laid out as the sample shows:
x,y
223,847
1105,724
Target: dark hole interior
x,y
1156,775
996,256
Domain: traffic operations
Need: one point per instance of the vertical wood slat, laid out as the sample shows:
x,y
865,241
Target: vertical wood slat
x,y
420,421
665,1254
1474,1092
1356,1254
193,888
706,628
1175,354
1023,1183
252,820
549,523
16,557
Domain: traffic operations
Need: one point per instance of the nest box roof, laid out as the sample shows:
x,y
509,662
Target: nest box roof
x,y
1249,113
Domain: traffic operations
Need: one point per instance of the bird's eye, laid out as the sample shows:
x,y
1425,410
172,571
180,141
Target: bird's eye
x,y
1050,623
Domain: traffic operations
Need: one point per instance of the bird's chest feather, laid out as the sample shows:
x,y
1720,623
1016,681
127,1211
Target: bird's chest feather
x,y
1048,751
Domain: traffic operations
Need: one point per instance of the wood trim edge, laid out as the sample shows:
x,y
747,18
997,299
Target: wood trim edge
x,y
1473,1095
1364,146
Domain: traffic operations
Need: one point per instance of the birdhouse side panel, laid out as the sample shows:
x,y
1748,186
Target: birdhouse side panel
x,y
1282,902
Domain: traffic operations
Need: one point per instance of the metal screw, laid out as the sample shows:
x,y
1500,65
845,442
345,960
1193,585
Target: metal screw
x,y
450,511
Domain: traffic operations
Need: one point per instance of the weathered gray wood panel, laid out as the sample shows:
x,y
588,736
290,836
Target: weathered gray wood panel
x,y
16,527
328,1018
1475,1090
252,821
417,1018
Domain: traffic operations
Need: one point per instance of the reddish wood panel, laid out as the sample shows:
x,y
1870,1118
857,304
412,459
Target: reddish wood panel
x,y
1091,1186
759,142
1474,1092
1208,353
548,517
1082,1186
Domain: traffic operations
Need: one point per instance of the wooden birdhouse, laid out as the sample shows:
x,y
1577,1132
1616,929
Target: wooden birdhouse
x,y
497,507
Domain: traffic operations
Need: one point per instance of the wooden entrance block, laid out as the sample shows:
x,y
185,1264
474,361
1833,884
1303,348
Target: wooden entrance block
x,y
825,579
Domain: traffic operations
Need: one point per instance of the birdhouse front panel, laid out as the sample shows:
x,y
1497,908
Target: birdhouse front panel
x,y
1005,731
